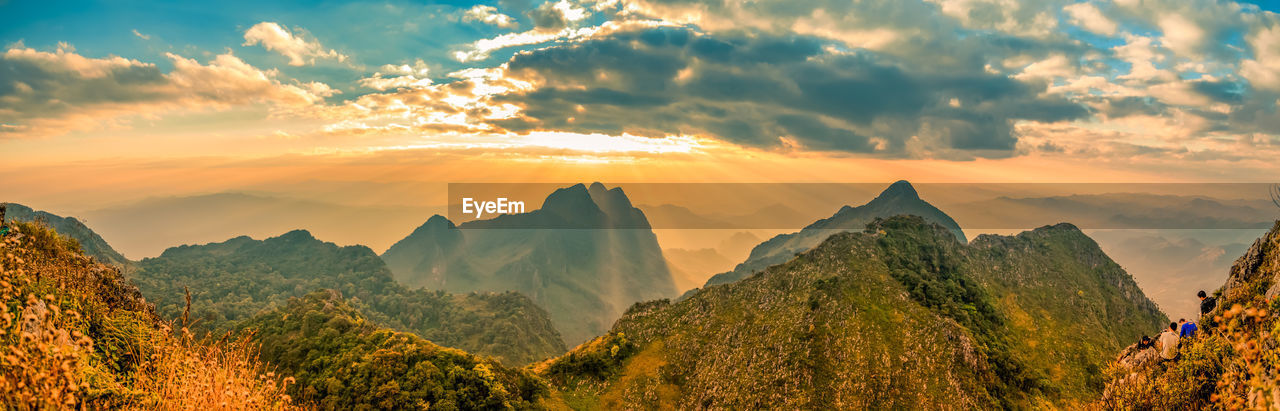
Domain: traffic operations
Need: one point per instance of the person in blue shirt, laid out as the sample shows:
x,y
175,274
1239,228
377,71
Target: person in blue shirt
x,y
1186,329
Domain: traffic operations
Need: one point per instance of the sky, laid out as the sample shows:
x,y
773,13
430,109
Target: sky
x,y
109,102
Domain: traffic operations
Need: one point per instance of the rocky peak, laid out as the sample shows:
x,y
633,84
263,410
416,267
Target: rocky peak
x,y
899,190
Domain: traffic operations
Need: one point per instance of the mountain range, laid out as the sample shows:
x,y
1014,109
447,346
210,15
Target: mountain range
x,y
585,255
899,315
147,227
231,281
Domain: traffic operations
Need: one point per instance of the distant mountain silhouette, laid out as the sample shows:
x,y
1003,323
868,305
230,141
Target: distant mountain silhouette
x,y
149,226
585,255
899,198
92,244
691,267
738,246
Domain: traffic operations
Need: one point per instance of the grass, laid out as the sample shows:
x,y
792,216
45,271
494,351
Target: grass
x,y
75,334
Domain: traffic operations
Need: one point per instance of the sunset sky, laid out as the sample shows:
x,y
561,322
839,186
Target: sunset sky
x,y
117,101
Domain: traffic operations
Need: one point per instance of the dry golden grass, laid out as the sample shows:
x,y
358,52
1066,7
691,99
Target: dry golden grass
x,y
187,374
54,298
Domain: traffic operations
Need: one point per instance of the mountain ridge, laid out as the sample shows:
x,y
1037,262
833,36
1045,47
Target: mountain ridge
x,y
899,198
230,281
92,243
898,315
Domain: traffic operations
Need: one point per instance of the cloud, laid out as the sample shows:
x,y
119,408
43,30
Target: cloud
x,y
772,92
914,78
297,47
1181,34
1088,17
462,105
481,49
392,76
49,93
555,15
488,15
1263,70
140,35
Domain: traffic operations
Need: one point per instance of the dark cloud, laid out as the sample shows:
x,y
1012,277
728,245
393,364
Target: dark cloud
x,y
1129,106
756,89
1221,91
46,91
546,16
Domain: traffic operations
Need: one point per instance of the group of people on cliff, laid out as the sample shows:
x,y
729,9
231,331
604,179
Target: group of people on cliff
x,y
1166,343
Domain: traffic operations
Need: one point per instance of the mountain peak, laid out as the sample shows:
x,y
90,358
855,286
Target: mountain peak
x,y
298,235
900,189
572,199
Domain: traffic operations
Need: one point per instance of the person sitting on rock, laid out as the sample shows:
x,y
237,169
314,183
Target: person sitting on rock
x,y
1167,343
1146,343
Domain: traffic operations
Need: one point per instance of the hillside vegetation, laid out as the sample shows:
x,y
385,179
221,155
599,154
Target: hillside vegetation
x,y
74,334
343,361
234,280
901,315
89,241
1235,361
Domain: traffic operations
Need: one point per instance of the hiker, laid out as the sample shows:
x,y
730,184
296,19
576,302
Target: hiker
x,y
1207,303
4,228
1168,343
1186,329
1146,343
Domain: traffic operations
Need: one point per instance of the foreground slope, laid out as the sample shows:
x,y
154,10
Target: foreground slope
x,y
585,255
901,315
233,280
76,335
899,198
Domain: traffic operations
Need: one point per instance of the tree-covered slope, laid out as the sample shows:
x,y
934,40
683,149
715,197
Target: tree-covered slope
x,y
901,315
239,278
1064,296
585,255
92,243
343,361
899,198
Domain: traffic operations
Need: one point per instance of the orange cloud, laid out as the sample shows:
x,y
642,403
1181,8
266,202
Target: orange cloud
x,y
61,91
